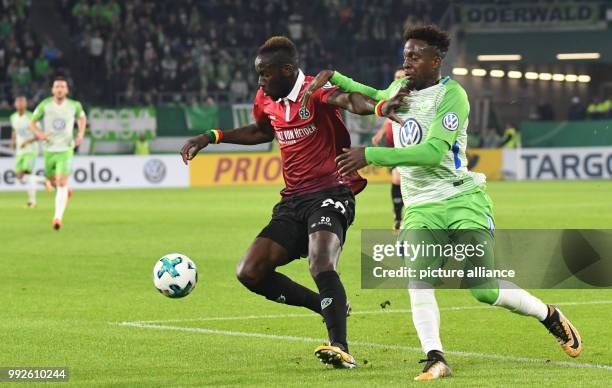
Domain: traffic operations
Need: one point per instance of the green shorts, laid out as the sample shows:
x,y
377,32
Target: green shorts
x,y
25,162
473,210
446,229
58,163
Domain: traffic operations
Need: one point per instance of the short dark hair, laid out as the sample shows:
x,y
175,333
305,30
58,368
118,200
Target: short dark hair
x,y
58,78
431,34
281,49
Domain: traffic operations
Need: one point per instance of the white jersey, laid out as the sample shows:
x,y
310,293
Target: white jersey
x,y
440,111
23,133
58,122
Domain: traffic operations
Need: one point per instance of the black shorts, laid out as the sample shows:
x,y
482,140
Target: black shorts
x,y
295,218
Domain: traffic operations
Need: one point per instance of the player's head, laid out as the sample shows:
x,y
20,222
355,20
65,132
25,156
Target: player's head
x,y
59,87
21,103
276,65
424,51
399,73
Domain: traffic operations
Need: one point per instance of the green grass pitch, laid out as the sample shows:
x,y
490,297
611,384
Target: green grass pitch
x,y
63,294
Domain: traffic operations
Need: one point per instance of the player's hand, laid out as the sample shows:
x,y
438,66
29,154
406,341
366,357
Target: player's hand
x,y
78,141
40,136
321,79
193,146
352,159
397,102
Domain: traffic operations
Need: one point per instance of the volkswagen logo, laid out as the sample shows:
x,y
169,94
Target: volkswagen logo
x,y
450,121
154,170
58,124
410,133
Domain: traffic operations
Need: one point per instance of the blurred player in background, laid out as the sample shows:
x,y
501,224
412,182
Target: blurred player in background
x,y
385,133
440,194
58,114
26,149
317,204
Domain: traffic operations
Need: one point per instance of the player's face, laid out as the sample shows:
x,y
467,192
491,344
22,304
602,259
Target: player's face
x,y
421,63
59,89
21,104
273,79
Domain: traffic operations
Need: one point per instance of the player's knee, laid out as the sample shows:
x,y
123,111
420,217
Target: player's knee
x,y
249,273
321,261
485,295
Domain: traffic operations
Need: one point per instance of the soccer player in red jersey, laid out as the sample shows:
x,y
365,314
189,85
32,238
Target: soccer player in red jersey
x,y
317,204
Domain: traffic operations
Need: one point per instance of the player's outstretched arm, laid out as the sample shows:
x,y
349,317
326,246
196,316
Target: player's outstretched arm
x,y
353,102
249,135
346,84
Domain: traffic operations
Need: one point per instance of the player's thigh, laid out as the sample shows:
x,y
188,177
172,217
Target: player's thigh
x,y
64,165
471,211
50,164
423,250
425,216
28,162
328,218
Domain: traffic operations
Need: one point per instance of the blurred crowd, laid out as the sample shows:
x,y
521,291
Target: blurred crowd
x,y
201,52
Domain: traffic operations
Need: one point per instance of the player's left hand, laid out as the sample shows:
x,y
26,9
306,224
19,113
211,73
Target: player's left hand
x,y
78,141
321,79
352,159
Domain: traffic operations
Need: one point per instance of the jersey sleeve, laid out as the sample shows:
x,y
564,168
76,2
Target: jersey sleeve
x,y
78,112
324,92
346,84
39,112
451,115
258,112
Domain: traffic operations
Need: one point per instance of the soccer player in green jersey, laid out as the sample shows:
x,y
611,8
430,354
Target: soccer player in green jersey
x,y
26,149
58,114
439,193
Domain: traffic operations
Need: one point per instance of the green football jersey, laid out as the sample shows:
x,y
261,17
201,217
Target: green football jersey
x,y
440,111
58,122
21,126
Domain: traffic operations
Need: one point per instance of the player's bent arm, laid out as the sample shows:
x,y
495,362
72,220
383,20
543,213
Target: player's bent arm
x,y
38,132
249,135
252,134
353,102
429,154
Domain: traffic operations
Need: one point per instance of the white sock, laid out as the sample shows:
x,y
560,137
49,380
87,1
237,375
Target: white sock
x,y
519,301
61,198
31,180
425,315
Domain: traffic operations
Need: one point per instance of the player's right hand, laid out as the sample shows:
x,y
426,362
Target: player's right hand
x,y
321,79
40,136
193,146
397,102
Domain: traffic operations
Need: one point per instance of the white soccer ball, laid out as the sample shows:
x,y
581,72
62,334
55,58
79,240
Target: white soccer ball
x,y
175,275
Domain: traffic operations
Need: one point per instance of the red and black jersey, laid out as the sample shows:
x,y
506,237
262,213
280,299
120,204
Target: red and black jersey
x,y
310,138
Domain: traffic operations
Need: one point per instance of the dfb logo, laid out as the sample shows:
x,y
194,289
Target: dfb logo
x,y
450,121
410,133
154,170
